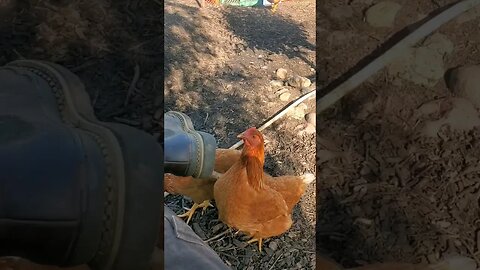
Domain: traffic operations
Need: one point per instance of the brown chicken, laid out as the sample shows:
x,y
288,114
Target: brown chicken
x,y
254,202
200,190
451,263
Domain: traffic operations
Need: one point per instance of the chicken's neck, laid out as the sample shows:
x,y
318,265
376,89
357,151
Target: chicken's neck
x,y
254,168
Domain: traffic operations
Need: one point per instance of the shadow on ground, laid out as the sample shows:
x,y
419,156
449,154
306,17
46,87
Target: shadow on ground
x,y
262,30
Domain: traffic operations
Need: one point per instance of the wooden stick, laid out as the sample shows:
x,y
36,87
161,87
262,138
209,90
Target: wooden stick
x,y
281,113
393,53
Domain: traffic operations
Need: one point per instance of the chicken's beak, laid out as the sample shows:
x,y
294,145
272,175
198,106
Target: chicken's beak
x,y
241,136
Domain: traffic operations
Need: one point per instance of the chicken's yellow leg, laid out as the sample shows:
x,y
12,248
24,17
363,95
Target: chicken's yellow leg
x,y
205,204
274,7
253,240
190,212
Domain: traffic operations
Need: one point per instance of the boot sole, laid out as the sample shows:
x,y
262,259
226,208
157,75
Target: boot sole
x,y
75,109
202,140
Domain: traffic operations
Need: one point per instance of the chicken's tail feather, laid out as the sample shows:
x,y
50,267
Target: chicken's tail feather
x,y
456,262
308,178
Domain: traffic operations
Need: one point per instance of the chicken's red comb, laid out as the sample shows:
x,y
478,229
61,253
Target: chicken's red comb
x,y
247,132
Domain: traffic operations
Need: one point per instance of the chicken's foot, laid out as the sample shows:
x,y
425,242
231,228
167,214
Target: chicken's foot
x,y
192,210
253,240
274,7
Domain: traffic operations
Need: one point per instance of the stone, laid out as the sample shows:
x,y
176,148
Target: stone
x,y
296,81
306,82
299,111
422,66
439,43
311,118
465,82
285,96
273,245
276,84
382,14
462,117
310,129
281,74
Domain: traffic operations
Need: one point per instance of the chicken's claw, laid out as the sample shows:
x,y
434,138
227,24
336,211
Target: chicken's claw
x,y
205,204
253,240
189,213
274,7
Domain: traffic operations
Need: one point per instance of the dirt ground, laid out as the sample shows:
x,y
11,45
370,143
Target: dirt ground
x,y
387,191
219,62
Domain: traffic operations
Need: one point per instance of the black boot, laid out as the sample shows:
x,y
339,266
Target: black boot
x,y
187,152
73,190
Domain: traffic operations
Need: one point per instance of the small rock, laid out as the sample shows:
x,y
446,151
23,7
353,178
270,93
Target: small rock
x,y
439,43
240,244
217,227
296,81
311,118
303,106
298,112
285,96
276,84
158,114
309,129
342,12
281,91
273,245
382,14
306,83
465,82
281,74
462,117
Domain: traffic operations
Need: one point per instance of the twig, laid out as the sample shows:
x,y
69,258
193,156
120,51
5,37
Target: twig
x,y
394,52
136,76
281,113
206,118
218,236
275,262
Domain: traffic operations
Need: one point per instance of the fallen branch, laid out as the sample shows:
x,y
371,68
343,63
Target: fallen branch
x,y
394,52
133,84
281,113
